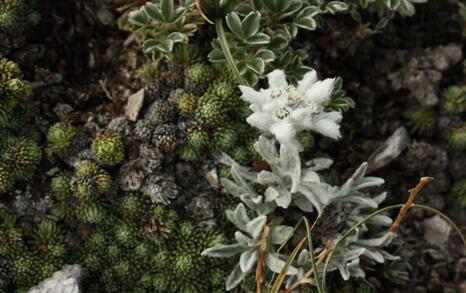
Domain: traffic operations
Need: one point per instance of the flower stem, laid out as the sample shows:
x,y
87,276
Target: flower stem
x,y
226,51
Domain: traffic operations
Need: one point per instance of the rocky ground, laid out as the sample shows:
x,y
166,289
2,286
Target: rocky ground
x,y
84,70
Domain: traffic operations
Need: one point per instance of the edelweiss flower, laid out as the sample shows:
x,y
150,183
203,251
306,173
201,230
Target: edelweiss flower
x,y
285,110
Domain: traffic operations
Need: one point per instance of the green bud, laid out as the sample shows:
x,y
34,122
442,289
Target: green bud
x,y
109,148
60,137
457,138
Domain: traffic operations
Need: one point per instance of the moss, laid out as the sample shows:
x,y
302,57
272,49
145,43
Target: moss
x,y
457,138
459,192
131,206
109,148
188,152
224,138
421,120
454,100
197,137
60,137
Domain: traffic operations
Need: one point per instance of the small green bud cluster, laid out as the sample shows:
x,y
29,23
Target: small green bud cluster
x,y
457,138
77,195
217,115
421,120
60,137
16,17
31,261
155,252
454,100
109,148
11,84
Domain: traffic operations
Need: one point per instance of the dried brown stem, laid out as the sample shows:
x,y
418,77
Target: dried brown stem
x,y
409,203
260,264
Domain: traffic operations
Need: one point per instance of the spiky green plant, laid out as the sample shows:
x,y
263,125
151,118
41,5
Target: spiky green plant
x,y
109,148
454,99
60,137
21,155
421,120
457,138
90,181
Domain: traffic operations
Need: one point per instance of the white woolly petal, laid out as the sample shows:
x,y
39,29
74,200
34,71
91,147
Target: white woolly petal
x,y
301,114
261,120
277,79
334,116
327,127
252,96
283,131
308,80
320,92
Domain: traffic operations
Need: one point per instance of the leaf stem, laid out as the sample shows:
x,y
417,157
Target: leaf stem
x,y
226,51
260,264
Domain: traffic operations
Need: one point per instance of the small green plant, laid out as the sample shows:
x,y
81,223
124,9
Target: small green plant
x,y
457,138
60,137
454,100
109,148
459,192
421,120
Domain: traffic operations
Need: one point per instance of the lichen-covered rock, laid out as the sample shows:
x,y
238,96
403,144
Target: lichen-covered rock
x,y
160,188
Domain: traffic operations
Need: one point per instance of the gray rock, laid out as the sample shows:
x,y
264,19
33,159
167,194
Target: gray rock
x,y
423,72
64,281
134,105
437,231
390,150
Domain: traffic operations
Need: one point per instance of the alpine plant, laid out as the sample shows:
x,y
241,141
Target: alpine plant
x,y
281,112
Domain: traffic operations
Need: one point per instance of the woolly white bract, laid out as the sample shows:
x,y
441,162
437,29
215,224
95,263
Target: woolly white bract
x,y
285,110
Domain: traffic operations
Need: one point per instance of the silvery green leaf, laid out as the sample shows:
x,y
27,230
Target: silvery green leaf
x,y
360,172
152,45
375,255
303,258
255,226
389,256
336,6
344,272
177,37
258,39
284,200
248,259
291,164
352,254
312,197
223,250
243,239
303,204
234,24
138,18
267,177
232,188
266,55
310,177
319,164
166,8
345,188
257,65
380,220
280,234
362,201
153,11
276,265
235,277
271,194
266,148
251,23
380,197
241,214
307,23
368,182
256,204
384,240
